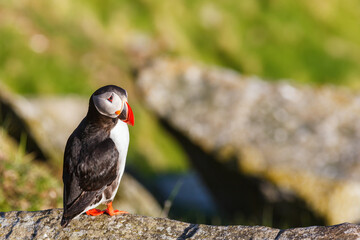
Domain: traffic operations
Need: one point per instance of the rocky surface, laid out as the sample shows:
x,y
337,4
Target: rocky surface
x,y
45,225
303,140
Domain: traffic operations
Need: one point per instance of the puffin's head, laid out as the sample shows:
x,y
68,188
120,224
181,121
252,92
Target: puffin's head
x,y
111,101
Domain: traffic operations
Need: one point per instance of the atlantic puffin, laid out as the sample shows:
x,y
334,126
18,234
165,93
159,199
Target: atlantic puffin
x,y
95,155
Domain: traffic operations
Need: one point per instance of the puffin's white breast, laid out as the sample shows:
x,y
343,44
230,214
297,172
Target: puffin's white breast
x,y
120,136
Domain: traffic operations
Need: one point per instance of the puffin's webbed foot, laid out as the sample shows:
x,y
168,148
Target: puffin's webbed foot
x,y
94,212
110,210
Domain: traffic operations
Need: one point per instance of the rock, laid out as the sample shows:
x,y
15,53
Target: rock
x,y
304,141
46,225
340,231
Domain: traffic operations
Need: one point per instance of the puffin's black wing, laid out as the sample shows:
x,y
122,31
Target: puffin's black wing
x,y
99,168
72,191
86,174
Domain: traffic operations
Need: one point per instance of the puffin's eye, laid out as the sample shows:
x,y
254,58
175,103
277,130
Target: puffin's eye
x,y
110,99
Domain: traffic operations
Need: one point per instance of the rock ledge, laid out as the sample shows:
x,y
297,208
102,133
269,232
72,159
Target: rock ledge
x,y
45,225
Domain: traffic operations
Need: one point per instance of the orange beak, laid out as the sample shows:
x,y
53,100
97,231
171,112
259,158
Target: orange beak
x,y
126,115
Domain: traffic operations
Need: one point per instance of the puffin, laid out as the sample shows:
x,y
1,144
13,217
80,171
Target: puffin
x,y
95,155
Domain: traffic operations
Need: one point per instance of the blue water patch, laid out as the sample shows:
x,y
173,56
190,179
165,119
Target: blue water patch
x,y
185,191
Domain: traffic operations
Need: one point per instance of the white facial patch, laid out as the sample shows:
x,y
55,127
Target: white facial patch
x,y
108,103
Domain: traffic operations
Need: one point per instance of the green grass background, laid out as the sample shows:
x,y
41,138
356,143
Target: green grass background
x,y
306,41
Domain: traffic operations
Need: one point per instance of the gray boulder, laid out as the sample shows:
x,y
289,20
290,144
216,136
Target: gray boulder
x,y
301,140
46,225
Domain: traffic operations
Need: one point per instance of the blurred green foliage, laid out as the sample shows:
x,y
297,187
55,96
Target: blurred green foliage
x,y
307,41
24,184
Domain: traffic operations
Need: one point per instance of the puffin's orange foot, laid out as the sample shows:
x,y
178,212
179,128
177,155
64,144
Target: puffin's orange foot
x,y
115,212
94,212
110,210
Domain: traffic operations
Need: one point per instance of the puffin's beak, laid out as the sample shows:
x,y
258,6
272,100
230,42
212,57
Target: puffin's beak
x,y
127,115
